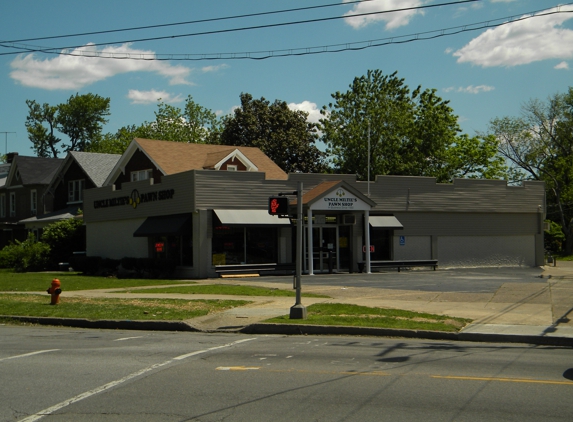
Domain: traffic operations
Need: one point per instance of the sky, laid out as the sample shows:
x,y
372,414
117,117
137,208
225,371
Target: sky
x,y
486,57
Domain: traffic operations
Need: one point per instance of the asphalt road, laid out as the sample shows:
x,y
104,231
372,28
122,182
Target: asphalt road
x,y
462,280
100,375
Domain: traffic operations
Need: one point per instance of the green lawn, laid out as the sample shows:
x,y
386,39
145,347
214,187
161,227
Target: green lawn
x,y
363,316
120,309
39,282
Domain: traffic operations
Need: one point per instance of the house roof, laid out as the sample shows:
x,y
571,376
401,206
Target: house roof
x,y
97,166
33,170
176,157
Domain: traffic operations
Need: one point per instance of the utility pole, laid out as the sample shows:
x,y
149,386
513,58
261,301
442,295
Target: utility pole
x,y
6,141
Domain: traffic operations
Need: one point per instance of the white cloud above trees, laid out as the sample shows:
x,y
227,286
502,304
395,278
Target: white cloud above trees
x,y
308,107
393,20
470,89
67,72
152,96
521,42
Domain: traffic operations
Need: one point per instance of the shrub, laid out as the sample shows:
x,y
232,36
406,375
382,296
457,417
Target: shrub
x,y
64,238
29,255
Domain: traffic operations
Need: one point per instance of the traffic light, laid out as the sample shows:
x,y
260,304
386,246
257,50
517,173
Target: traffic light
x,y
278,205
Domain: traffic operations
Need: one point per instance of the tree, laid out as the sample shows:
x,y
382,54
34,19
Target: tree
x,y
64,238
81,119
413,133
539,146
285,135
193,124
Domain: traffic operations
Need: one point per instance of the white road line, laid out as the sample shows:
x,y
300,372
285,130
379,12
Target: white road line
x,y
29,354
127,338
112,384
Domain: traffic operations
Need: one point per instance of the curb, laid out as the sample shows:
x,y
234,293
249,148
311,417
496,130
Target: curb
x,y
105,323
297,329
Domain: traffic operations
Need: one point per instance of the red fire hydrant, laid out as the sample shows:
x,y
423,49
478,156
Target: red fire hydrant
x,y
55,291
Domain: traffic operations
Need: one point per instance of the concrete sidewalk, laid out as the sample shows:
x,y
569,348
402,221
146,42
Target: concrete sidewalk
x,y
539,312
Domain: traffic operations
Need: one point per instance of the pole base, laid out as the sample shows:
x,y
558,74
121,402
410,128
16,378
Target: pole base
x,y
298,312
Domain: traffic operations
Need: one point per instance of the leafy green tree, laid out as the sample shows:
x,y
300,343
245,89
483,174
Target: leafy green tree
x,y
64,238
81,119
413,133
285,135
539,146
192,124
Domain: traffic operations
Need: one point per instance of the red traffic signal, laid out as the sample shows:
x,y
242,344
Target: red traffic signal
x,y
278,205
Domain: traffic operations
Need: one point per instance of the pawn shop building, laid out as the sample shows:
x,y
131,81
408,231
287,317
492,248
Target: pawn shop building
x,y
206,208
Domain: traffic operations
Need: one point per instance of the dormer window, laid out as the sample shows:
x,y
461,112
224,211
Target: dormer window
x,y
136,176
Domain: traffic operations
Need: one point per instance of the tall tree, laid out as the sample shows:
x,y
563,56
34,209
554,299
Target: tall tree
x,y
81,119
539,146
412,133
285,135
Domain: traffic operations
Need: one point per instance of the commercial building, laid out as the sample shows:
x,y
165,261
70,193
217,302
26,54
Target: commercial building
x,y
205,206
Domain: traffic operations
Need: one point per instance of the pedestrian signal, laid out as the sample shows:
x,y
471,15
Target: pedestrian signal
x,y
278,205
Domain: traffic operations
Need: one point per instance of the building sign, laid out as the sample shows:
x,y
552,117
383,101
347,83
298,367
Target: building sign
x,y
135,198
340,199
402,240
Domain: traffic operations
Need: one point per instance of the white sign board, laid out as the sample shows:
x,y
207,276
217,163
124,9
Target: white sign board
x,y
340,200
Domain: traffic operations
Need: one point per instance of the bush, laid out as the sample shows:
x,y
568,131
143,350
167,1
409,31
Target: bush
x,y
64,238
554,237
29,255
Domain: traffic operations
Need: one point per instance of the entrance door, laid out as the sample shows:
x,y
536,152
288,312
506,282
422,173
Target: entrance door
x,y
325,249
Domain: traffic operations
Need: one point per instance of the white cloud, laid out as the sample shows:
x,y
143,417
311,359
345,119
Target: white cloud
x,y
562,65
522,42
308,107
209,69
393,20
74,72
147,97
470,89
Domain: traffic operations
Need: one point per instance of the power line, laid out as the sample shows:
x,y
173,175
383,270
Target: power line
x,y
220,31
164,25
334,48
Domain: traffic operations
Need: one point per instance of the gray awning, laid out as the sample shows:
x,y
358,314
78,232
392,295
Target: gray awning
x,y
250,217
385,222
165,225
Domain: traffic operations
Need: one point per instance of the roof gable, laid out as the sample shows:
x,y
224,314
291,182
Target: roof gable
x,y
336,195
176,157
32,170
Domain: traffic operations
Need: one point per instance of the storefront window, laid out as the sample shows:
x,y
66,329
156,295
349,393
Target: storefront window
x,y
244,245
380,239
176,248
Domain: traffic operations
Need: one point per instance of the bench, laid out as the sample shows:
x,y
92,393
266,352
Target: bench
x,y
405,263
254,269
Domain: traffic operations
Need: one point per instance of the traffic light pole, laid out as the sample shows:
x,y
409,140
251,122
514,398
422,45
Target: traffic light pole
x,y
298,311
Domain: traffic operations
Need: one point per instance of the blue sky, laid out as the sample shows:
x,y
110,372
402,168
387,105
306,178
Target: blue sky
x,y
484,73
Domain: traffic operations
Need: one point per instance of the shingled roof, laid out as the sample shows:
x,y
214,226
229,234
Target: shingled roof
x,y
177,157
33,170
97,166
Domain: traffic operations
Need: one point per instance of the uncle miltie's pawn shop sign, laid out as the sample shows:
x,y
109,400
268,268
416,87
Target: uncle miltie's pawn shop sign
x,y
340,200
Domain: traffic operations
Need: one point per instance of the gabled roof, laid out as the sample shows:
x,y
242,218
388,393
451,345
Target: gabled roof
x,y
215,160
97,166
176,157
324,188
32,170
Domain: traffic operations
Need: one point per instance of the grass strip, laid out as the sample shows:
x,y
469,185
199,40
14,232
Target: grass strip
x,y
363,316
39,282
120,309
225,289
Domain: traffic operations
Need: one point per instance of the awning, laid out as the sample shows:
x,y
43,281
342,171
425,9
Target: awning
x,y
165,225
250,217
385,222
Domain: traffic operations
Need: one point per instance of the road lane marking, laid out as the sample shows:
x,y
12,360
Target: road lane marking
x,y
237,368
29,354
523,380
115,383
126,338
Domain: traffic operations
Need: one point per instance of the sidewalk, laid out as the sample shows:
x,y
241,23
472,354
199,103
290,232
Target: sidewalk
x,y
538,312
